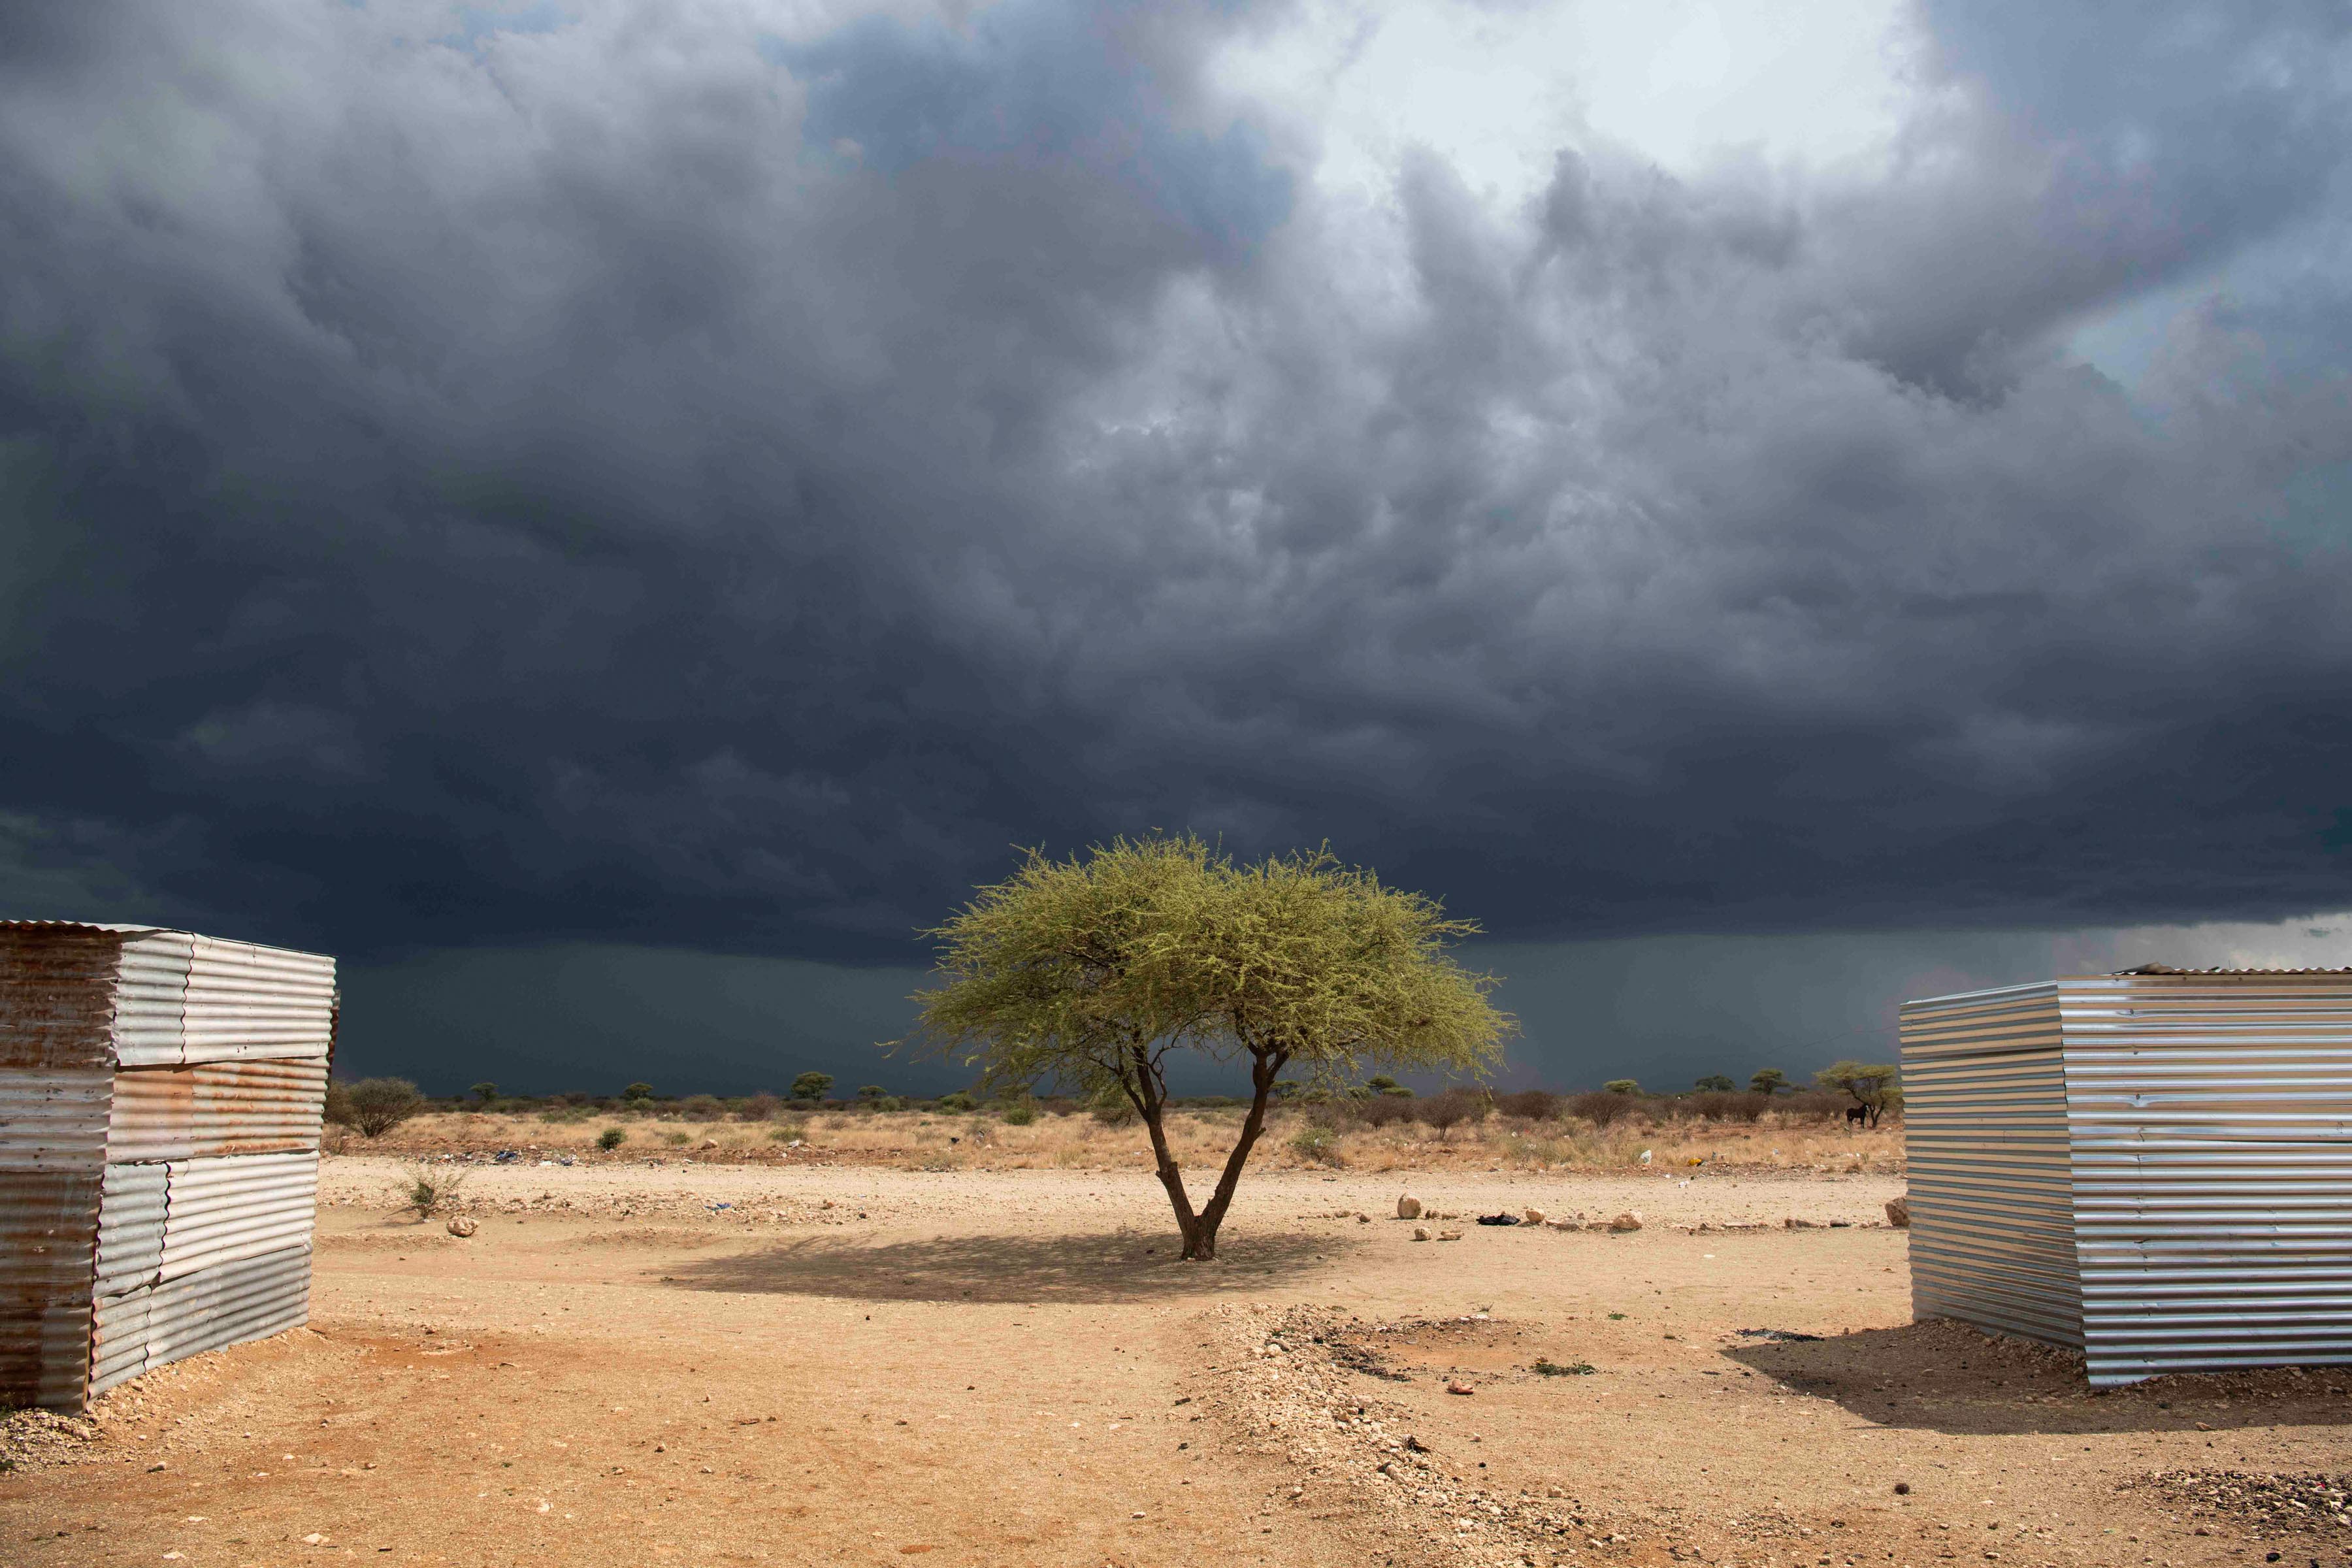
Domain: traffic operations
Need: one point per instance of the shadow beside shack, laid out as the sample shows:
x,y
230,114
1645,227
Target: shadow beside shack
x,y
1944,1376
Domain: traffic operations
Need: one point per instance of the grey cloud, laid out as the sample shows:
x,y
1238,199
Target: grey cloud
x,y
648,479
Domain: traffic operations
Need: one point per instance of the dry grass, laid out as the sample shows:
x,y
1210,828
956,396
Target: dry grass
x,y
936,1140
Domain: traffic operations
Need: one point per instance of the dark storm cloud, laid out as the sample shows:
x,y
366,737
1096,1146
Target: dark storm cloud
x,y
672,474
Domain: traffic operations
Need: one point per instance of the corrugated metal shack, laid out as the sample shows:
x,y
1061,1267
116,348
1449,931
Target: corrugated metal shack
x,y
160,1101
2153,1167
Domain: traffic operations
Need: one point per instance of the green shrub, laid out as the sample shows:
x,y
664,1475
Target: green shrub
x,y
1316,1144
610,1138
675,1140
701,1108
1554,1369
1019,1116
430,1187
377,1105
957,1101
812,1085
638,1091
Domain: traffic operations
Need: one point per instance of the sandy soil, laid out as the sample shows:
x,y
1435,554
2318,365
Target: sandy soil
x,y
1009,1367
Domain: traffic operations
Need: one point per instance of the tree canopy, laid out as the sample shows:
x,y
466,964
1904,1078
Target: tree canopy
x,y
1873,1085
1092,972
1768,1080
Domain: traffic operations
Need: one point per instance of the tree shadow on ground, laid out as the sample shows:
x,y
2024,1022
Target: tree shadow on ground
x,y
1948,1377
1095,1267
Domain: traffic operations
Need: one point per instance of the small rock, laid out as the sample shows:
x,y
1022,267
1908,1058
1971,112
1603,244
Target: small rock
x,y
314,1538
1408,1207
1420,1233
1898,1213
1363,1219
1903,1489
1629,1220
711,1143
1532,1217
1459,1388
461,1225
1645,1156
1793,1223
1449,1235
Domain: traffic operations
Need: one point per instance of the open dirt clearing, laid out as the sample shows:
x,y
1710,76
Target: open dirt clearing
x,y
1009,1367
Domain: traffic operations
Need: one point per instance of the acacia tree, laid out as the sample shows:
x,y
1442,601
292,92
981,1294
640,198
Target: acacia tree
x,y
1095,970
1873,1085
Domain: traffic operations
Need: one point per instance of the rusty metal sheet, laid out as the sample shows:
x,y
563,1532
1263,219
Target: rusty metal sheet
x,y
48,1228
56,1009
216,1109
221,1210
129,1227
57,995
247,1002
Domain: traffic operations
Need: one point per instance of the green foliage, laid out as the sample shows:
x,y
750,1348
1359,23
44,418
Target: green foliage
x,y
871,1091
1318,1145
338,1109
638,1091
1019,1116
957,1100
1716,1083
1768,1080
430,1188
1874,1086
811,1086
377,1105
675,1140
1544,1368
701,1108
1621,1085
488,1093
610,1138
1089,973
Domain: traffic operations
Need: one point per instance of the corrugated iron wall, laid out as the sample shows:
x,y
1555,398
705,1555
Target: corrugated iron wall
x,y
225,1107
2211,1119
160,1099
1984,1112
57,1076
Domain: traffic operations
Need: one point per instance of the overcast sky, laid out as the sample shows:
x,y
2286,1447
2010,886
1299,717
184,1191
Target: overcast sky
x,y
1763,506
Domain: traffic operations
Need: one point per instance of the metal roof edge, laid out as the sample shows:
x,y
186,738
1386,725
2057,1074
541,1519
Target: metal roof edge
x,y
1988,994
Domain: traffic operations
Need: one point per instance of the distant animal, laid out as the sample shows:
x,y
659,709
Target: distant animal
x,y
1857,1115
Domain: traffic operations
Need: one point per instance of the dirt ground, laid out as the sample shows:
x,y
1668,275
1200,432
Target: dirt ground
x,y
858,1366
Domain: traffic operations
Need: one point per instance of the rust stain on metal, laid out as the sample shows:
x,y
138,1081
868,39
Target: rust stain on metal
x,y
56,996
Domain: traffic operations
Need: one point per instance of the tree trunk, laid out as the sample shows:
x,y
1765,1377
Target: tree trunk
x,y
1201,1241
1188,1224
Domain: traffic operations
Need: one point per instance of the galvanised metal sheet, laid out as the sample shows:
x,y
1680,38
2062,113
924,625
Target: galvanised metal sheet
x,y
53,1118
2210,1120
1984,1114
56,1005
225,1209
215,1109
129,1228
227,1304
247,1002
150,998
119,1338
